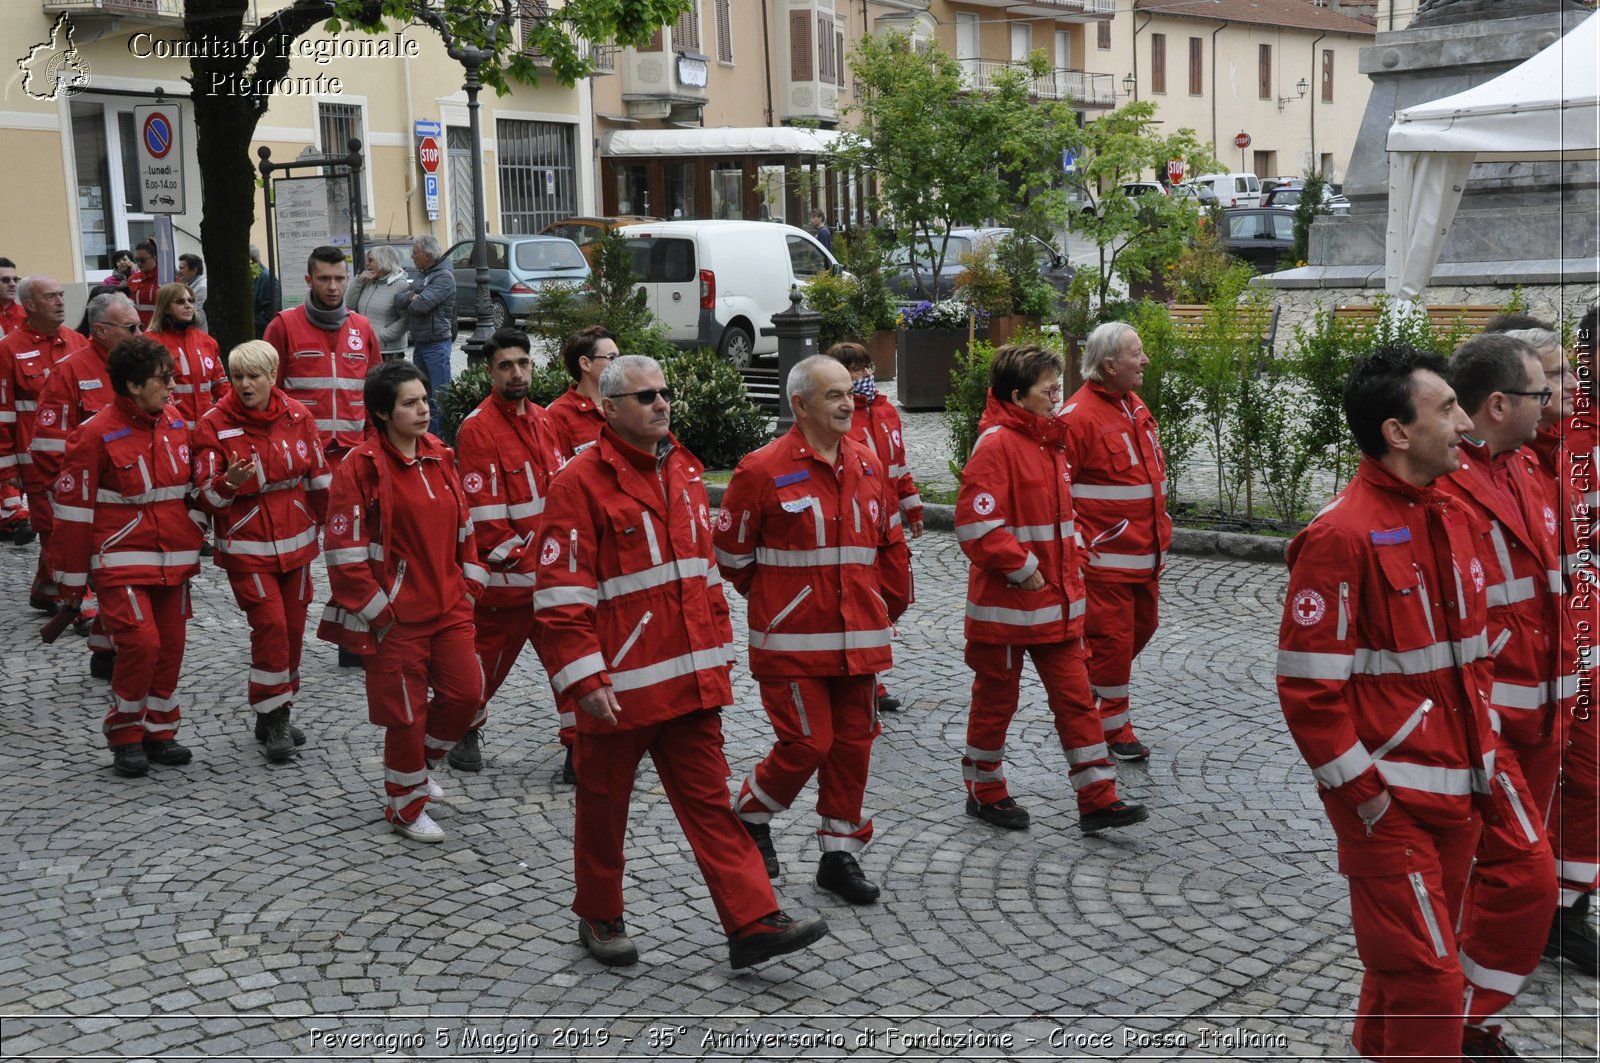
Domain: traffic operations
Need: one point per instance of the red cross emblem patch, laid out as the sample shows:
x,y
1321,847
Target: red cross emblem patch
x,y
1308,608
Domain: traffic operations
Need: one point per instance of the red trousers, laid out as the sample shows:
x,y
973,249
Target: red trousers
x,y
1576,825
501,635
147,625
1118,621
687,751
825,727
996,679
1406,883
43,522
412,659
1511,895
275,605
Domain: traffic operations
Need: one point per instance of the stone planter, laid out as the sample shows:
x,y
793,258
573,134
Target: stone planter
x,y
881,345
1001,329
926,358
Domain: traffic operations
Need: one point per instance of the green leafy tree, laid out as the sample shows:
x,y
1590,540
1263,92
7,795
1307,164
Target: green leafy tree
x,y
1137,236
1305,212
235,64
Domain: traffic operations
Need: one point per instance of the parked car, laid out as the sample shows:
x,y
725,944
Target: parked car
x,y
1289,196
902,278
1201,194
586,232
1232,189
520,267
717,283
1131,189
1262,236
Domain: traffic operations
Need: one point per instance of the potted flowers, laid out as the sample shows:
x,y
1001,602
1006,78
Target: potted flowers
x,y
927,338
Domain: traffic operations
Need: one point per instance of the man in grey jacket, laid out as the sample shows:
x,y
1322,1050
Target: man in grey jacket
x,y
430,304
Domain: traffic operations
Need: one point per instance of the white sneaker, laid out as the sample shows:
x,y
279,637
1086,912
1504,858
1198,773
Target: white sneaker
x,y
423,830
435,791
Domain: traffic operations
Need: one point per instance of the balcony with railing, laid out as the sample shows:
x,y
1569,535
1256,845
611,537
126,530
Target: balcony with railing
x,y
152,12
1078,87
1068,10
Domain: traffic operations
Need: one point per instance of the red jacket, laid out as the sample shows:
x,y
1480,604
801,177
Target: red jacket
x,y
876,425
506,460
26,359
575,420
119,504
142,289
12,317
270,522
326,371
826,570
1383,654
78,389
628,595
1013,518
198,377
1119,473
388,515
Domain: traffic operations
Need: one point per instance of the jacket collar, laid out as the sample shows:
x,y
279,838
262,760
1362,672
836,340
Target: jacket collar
x,y
1377,476
134,415
1049,431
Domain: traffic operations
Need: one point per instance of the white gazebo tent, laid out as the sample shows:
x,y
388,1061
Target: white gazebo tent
x,y
1546,109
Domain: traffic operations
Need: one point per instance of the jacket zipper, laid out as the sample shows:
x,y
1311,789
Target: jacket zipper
x,y
855,504
1427,603
1516,807
494,481
242,521
399,578
627,643
744,524
791,607
1428,917
1344,611
122,534
1418,716
288,458
171,457
572,554
694,530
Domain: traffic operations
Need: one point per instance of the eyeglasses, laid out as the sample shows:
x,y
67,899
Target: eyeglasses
x,y
599,357
183,300
165,378
10,280
646,397
130,328
1543,395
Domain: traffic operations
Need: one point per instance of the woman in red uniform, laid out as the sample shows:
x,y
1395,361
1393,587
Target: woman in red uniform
x,y
260,474
198,377
404,575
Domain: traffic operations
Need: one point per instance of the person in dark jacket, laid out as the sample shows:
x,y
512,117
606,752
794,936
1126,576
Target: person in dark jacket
x,y
266,294
430,304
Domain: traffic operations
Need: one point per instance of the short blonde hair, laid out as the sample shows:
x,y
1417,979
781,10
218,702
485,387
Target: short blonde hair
x,y
254,356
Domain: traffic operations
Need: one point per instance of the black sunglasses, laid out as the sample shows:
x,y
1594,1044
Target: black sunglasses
x,y
1543,395
645,397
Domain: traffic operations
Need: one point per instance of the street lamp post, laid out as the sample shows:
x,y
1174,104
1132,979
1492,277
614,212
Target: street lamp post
x,y
472,57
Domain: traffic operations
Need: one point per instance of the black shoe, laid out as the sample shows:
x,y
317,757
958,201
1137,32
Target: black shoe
x,y
129,760
569,774
761,834
1116,814
839,873
295,733
1002,813
775,935
167,751
347,659
1134,750
83,625
888,703
280,743
23,534
43,602
1478,1044
206,549
102,663
1572,938
467,754
608,942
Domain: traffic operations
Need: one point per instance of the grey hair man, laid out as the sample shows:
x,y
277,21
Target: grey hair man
x,y
429,305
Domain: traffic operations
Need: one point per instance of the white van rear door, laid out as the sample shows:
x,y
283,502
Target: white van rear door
x,y
666,268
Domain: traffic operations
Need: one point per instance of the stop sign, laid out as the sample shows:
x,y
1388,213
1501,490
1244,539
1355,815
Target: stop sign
x,y
1242,140
428,154
1175,171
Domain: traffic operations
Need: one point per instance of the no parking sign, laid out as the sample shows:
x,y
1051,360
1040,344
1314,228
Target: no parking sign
x,y
160,158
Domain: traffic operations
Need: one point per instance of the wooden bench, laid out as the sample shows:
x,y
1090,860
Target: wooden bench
x,y
1189,322
1444,317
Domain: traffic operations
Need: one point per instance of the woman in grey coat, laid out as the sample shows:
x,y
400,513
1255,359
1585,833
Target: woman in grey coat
x,y
372,296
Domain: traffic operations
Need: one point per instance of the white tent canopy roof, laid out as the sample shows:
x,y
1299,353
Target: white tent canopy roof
x,y
727,140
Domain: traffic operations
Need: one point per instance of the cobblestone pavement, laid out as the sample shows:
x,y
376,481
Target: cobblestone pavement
x,y
229,909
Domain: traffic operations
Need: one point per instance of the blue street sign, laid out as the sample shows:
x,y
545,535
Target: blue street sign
x,y
427,129
1069,161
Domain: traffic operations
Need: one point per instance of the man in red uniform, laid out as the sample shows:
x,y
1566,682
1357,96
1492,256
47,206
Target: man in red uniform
x,y
506,454
324,352
1119,489
12,312
575,415
27,355
123,522
1382,673
806,534
79,388
626,541
145,281
1512,891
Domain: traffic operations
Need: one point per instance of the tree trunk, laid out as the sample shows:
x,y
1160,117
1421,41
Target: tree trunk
x,y
224,128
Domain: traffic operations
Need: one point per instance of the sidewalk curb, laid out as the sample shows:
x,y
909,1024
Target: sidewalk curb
x,y
1192,541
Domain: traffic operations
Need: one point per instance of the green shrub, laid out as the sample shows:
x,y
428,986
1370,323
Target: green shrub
x,y
711,414
982,282
834,297
1169,389
969,394
863,255
460,398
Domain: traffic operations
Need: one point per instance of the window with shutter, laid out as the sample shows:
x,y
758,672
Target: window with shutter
x,y
529,12
1158,62
838,59
799,46
686,33
1327,75
724,32
654,44
824,47
1102,39
1264,73
1197,67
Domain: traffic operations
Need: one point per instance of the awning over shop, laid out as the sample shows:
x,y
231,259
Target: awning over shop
x,y
728,140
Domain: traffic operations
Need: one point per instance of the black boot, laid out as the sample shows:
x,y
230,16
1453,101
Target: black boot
x,y
569,774
295,733
761,834
101,663
839,873
467,754
280,743
1572,937
166,751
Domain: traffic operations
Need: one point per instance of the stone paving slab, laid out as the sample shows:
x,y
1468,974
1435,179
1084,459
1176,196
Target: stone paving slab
x,y
230,909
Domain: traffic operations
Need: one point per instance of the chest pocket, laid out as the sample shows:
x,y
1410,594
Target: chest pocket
x,y
31,375
800,517
128,470
1121,450
637,537
1413,618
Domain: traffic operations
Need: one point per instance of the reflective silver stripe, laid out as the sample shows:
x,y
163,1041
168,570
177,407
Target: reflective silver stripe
x,y
321,483
911,501
153,558
555,597
1113,492
332,614
659,575
1037,533
1298,664
994,614
1556,579
1090,776
1429,917
375,605
1087,754
1346,767
734,560
495,511
820,641
650,538
354,555
334,424
1508,592
261,675
978,529
247,548
800,708
503,551
511,579
159,494
987,756
1029,567
1109,692
1520,696
1515,800
272,702
1451,782
1565,686
73,513
1418,716
823,556
1104,560
26,405
1491,979
8,417
519,510
1076,608
49,446
1423,660
1112,724
1577,871
686,664
973,773
476,573
581,668
324,383
72,579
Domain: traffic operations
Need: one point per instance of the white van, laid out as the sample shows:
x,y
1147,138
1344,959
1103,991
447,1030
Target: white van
x,y
717,283
1232,189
